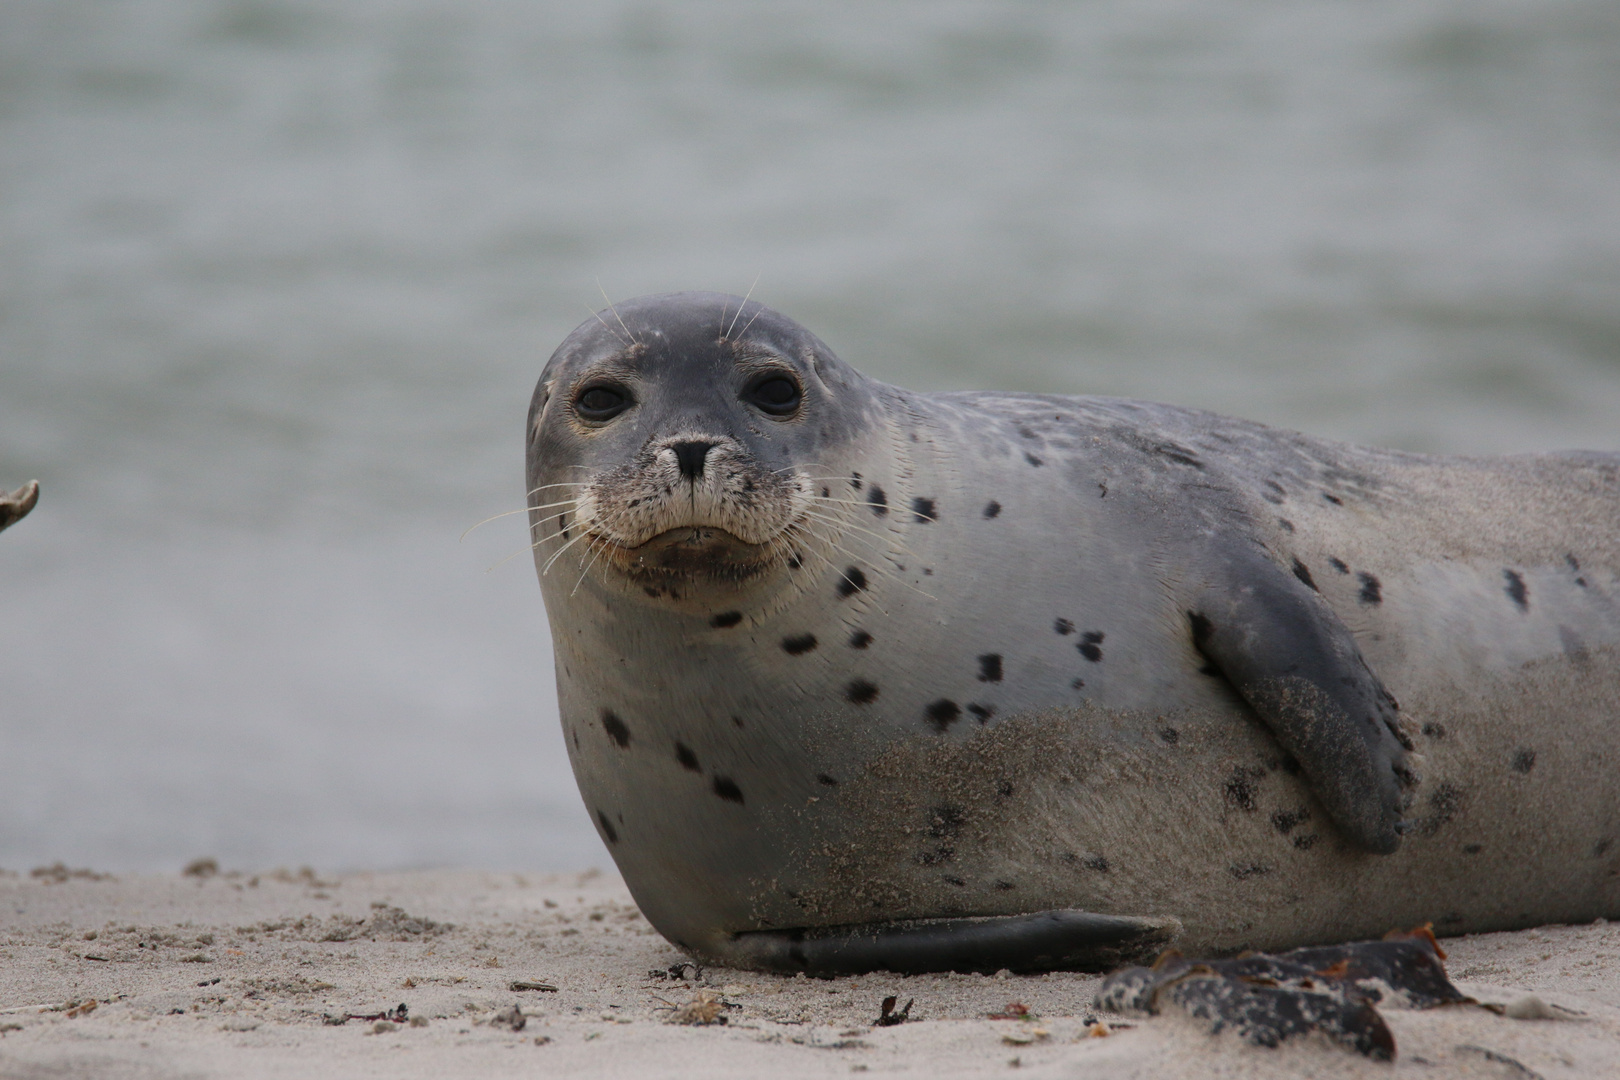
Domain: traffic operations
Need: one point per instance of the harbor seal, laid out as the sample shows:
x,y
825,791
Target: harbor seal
x,y
855,677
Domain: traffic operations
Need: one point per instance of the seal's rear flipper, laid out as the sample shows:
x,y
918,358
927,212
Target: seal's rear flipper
x,y
1061,940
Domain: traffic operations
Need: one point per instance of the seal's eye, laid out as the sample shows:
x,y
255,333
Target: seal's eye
x,y
775,394
601,402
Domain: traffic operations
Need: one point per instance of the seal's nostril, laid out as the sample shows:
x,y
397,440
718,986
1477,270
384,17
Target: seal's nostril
x,y
689,456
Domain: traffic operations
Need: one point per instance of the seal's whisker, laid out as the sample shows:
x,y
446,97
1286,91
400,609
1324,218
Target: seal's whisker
x,y
595,315
876,567
881,565
558,553
742,305
888,537
596,553
524,510
868,537
755,315
615,310
542,521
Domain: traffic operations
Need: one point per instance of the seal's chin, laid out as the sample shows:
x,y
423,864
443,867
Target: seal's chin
x,y
694,555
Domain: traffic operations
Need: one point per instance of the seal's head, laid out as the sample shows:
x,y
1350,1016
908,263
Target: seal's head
x,y
677,442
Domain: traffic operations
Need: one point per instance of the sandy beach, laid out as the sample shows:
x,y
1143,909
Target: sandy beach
x,y
418,974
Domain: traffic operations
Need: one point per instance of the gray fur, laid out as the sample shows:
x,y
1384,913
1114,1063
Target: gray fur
x,y
1095,653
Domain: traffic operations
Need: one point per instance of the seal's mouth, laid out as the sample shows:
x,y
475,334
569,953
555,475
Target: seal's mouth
x,y
690,553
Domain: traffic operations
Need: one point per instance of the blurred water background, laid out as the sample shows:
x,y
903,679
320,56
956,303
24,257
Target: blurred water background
x,y
277,278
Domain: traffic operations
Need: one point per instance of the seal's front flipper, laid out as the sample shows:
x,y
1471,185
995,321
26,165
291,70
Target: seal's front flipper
x,y
1279,644
1061,940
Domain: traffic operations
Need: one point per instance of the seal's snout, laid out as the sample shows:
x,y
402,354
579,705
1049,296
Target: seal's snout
x,y
690,455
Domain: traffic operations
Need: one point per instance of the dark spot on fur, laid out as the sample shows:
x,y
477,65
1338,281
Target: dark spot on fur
x,y
576,740
684,755
1371,591
878,501
799,645
946,821
1601,847
726,619
1033,460
1063,626
990,667
1095,862
1524,761
861,692
860,639
615,728
855,481
1284,821
1091,645
1004,789
1305,841
1285,525
825,781
1434,730
1446,803
1240,787
826,493
1472,849
1303,572
1170,735
727,789
982,712
737,720
943,713
1004,886
1516,590
851,581
1245,872
1274,493
795,561
1340,565
1078,684
992,508
1334,499
958,882
923,509
608,830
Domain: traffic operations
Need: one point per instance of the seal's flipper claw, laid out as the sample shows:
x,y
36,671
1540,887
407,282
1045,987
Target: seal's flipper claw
x,y
1060,940
1285,651
15,507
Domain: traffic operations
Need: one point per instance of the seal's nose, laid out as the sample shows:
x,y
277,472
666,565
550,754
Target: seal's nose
x,y
689,456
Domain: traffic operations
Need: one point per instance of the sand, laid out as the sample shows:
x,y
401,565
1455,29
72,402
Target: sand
x,y
237,975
